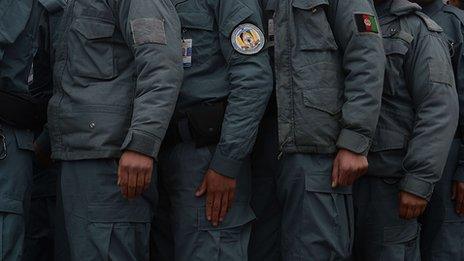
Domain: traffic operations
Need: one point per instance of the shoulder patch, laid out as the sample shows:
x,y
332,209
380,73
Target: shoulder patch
x,y
366,23
431,25
247,39
148,30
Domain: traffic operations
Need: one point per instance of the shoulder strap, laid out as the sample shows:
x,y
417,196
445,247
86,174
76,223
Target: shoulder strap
x,y
431,25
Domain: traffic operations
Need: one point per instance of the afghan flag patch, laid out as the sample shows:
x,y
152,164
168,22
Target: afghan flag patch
x,y
366,23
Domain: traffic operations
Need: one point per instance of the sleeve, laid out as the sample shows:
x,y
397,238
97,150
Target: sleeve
x,y
151,29
459,75
357,33
14,16
251,84
435,102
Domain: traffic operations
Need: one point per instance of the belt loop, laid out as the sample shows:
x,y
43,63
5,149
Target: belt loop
x,y
3,151
184,130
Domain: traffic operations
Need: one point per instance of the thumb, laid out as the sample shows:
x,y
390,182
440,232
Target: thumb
x,y
453,194
335,174
201,190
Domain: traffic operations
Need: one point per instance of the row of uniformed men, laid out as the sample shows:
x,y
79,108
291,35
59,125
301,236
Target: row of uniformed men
x,y
356,83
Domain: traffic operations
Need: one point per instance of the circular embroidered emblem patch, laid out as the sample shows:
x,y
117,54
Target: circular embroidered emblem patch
x,y
247,39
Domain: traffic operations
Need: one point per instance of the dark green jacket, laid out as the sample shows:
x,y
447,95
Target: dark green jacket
x,y
218,72
329,72
420,108
117,75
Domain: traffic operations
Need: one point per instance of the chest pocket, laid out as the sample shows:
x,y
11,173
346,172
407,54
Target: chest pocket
x,y
395,50
91,50
312,27
200,28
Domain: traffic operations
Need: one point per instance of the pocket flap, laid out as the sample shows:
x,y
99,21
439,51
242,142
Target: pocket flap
x,y
238,215
122,213
388,140
321,99
94,29
25,139
394,46
308,4
322,183
201,21
401,234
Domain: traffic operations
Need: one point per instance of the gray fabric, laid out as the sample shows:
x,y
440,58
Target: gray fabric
x,y
380,234
328,72
110,93
443,228
15,189
419,103
100,223
219,73
182,172
265,232
317,221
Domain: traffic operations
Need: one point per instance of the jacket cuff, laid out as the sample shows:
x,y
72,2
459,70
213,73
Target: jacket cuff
x,y
418,187
353,141
143,143
459,174
43,142
225,166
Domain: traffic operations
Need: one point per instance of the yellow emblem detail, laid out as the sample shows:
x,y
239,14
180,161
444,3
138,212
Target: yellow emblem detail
x,y
247,39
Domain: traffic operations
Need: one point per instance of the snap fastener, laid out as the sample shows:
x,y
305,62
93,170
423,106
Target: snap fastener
x,y
92,125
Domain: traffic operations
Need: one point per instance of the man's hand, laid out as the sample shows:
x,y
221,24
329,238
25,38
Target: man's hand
x,y
348,167
43,158
458,197
411,206
220,194
134,173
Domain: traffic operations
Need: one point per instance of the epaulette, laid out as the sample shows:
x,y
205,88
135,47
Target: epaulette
x,y
53,6
455,11
431,25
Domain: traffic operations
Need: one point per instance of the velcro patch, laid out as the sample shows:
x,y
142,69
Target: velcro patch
x,y
148,30
366,23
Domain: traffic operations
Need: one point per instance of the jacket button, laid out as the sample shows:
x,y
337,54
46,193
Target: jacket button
x,y
92,125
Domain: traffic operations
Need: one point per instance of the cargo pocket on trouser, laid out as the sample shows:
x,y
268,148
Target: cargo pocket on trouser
x,y
328,218
401,243
227,242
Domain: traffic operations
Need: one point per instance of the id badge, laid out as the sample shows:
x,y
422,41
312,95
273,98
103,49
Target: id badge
x,y
187,52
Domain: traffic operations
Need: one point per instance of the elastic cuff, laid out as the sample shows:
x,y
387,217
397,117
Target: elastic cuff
x,y
459,174
43,142
225,166
417,186
143,143
353,141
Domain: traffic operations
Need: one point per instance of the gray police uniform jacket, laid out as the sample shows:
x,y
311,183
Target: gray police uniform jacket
x,y
117,73
217,72
420,108
451,19
329,72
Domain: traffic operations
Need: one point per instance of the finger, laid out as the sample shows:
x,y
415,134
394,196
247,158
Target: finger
x,y
140,183
453,192
224,206
216,208
231,199
132,183
209,205
416,211
460,202
409,212
123,183
147,180
402,210
201,190
335,176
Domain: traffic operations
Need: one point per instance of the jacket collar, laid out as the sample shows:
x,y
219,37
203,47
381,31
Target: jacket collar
x,y
433,8
402,7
